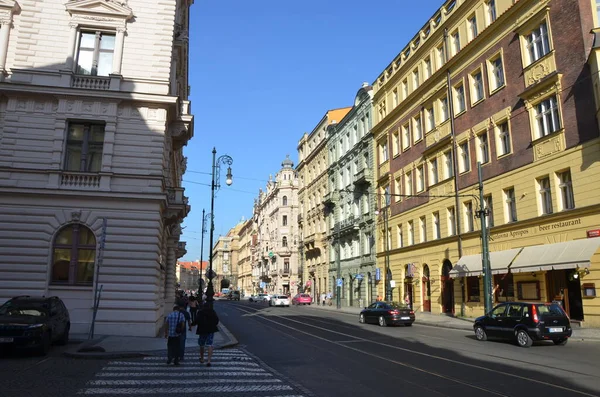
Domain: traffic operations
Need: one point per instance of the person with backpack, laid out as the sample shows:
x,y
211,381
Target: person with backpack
x,y
207,321
174,327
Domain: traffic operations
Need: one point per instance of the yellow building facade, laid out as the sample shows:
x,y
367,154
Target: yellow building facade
x,y
495,83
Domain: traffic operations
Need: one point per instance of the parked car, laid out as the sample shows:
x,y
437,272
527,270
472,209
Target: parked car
x,y
262,298
34,322
253,298
525,323
302,299
387,313
279,300
233,295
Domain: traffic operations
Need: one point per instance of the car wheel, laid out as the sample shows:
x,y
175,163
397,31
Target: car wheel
x,y
408,324
382,322
523,338
480,333
46,342
64,338
361,318
560,342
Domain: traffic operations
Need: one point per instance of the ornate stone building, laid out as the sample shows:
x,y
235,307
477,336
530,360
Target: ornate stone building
x,y
275,210
246,258
94,115
312,173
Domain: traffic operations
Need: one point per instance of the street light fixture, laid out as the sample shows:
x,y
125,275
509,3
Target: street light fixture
x,y
215,185
204,221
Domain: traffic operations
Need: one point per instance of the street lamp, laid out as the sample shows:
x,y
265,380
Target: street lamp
x,y
388,271
204,220
215,185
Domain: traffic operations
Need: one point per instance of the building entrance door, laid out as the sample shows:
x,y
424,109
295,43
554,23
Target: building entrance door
x,y
426,289
447,288
564,286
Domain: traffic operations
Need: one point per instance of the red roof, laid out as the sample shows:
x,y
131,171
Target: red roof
x,y
189,265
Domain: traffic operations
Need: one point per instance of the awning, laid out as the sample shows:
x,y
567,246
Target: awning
x,y
567,255
470,265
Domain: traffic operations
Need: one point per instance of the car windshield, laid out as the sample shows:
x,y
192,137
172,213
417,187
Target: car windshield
x,y
10,309
396,305
305,296
282,297
550,310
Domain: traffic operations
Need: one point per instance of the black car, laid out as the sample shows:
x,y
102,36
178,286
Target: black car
x,y
384,313
34,322
525,322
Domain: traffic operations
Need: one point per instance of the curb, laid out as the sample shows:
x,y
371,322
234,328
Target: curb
x,y
232,339
104,355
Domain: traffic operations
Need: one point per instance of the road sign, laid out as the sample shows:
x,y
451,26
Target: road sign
x,y
378,274
339,282
262,284
270,254
359,277
209,275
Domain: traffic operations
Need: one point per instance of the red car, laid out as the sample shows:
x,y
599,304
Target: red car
x,y
302,299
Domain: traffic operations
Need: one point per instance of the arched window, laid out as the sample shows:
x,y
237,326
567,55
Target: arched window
x,y
284,200
284,242
74,255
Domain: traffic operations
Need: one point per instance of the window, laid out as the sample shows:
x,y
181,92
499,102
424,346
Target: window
x,y
546,114
448,167
465,158
472,27
396,143
473,289
435,219
545,195
382,110
74,255
420,178
284,201
84,147
528,290
415,79
284,220
469,216
399,235
503,138
284,242
428,70
430,115
459,99
488,203
537,43
451,221
398,188
445,114
383,152
491,10
408,183
483,154
565,185
476,87
411,233
504,287
404,89
395,97
405,136
441,56
455,40
95,53
433,172
496,73
511,205
423,229
417,129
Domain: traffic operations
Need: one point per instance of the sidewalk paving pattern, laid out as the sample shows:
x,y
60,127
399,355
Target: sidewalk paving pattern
x,y
233,371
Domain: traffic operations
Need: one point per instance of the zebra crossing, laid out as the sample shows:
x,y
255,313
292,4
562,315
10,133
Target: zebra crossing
x,y
232,372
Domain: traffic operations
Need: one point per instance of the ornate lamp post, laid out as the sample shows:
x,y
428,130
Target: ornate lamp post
x,y
215,185
204,220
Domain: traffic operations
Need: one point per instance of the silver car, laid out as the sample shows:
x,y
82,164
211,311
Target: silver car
x,y
279,300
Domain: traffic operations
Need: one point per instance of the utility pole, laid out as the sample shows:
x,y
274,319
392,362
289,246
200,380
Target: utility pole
x,y
388,271
338,288
485,251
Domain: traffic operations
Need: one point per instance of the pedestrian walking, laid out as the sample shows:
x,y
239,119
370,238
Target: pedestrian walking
x,y
207,321
174,326
187,326
323,297
193,308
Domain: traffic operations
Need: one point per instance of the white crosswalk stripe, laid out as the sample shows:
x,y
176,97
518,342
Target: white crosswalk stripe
x,y
233,372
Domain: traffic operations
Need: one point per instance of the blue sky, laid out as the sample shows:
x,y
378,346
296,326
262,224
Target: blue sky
x,y
264,72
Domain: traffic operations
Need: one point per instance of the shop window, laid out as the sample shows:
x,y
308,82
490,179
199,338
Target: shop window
x,y
528,290
504,288
473,291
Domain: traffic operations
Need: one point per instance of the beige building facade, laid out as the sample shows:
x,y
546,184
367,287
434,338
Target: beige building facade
x,y
246,258
92,131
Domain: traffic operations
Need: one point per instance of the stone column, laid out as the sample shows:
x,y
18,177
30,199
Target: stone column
x,y
71,47
5,27
170,274
118,55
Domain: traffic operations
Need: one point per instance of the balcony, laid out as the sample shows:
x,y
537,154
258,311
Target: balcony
x,y
346,225
91,82
300,218
363,177
177,204
80,181
180,129
181,251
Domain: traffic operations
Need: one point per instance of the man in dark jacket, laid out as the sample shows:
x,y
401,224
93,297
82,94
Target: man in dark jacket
x,y
207,321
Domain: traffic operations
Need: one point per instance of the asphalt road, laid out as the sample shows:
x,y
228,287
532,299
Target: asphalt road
x,y
330,354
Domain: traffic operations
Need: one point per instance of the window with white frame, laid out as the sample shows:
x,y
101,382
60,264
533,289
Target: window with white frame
x,y
411,233
404,89
444,110
420,178
483,152
489,206
435,220
547,117
405,136
95,53
511,205
537,43
408,190
382,110
490,8
395,143
545,195
459,99
565,185
85,143
469,216
383,152
423,229
399,236
476,87
441,56
397,188
455,41
496,73
503,138
415,79
395,97
448,167
430,117
451,216
417,128
465,159
433,172
428,68
472,26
